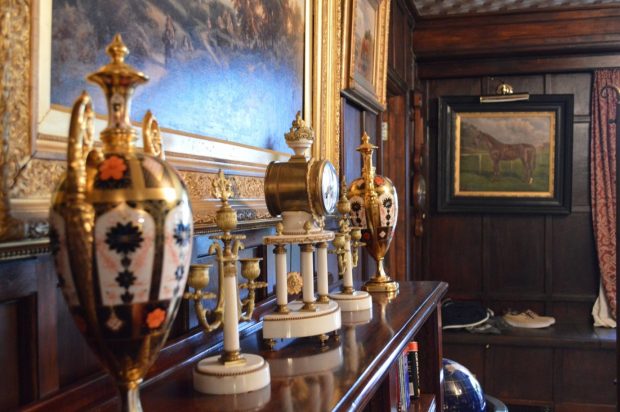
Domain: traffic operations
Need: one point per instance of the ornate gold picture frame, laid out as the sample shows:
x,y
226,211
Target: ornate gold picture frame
x,y
365,38
34,137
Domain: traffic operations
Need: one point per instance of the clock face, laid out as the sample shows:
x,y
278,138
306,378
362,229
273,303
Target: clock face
x,y
329,187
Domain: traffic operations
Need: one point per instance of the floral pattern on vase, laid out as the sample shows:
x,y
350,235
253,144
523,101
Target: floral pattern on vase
x,y
124,237
178,245
388,209
358,213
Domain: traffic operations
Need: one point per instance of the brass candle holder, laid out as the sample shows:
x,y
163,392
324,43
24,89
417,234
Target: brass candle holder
x,y
232,372
348,298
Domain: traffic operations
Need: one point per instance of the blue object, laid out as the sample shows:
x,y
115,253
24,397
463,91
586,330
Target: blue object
x,y
462,392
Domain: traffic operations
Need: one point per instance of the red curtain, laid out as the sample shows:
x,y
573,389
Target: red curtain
x,y
603,177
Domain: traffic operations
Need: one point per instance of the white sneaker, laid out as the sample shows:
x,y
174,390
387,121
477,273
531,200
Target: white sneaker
x,y
528,319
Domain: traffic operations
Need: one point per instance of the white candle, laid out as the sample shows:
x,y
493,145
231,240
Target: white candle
x,y
231,317
347,280
307,273
281,286
321,266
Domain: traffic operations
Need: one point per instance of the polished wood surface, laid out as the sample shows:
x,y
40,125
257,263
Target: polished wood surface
x,y
356,371
363,356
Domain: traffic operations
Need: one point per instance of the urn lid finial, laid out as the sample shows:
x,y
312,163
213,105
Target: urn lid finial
x,y
118,81
300,137
117,50
366,147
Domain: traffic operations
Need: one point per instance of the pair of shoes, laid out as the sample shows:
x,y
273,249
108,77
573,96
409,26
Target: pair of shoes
x,y
528,319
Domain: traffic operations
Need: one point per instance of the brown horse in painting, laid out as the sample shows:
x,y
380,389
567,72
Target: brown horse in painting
x,y
499,151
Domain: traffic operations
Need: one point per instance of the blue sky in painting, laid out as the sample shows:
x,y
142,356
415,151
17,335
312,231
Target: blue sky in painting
x,y
219,82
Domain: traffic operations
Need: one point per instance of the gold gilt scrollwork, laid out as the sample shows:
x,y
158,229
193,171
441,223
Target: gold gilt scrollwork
x,y
151,135
14,106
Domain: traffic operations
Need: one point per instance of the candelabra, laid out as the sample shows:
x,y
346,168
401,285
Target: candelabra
x,y
347,238
232,372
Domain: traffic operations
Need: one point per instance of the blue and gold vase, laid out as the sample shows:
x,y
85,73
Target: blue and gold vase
x,y
374,209
121,232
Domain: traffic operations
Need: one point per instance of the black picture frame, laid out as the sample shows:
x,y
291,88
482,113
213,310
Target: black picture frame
x,y
505,157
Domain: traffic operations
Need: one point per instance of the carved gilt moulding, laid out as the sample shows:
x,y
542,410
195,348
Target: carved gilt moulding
x,y
34,137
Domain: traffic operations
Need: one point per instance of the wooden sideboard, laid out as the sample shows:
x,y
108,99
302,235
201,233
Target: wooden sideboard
x,y
356,372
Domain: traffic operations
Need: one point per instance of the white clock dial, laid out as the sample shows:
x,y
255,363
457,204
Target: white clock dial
x,y
329,188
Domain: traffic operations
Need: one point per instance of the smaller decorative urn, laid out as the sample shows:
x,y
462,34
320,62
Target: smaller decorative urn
x,y
374,208
121,232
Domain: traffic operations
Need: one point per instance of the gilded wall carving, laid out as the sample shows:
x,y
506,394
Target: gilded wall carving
x,y
244,187
38,178
14,105
16,61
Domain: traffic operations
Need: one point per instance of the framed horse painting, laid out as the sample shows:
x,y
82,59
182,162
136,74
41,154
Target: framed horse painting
x,y
505,157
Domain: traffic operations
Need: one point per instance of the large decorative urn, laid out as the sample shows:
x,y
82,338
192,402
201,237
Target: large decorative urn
x,y
121,232
374,209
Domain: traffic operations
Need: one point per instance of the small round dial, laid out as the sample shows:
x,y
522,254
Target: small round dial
x,y
329,187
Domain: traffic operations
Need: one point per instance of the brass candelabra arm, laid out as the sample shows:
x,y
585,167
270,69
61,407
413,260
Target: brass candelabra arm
x,y
250,270
249,304
237,244
203,314
339,242
356,235
340,254
198,280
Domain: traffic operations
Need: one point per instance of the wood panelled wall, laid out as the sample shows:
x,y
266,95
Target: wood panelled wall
x,y
542,262
518,261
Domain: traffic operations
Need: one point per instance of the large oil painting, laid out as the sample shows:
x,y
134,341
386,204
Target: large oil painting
x,y
228,69
505,153
513,154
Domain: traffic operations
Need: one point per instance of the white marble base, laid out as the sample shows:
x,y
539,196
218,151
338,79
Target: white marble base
x,y
298,324
294,222
212,377
358,300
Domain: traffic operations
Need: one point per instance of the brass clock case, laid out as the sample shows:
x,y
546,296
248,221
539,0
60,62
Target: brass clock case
x,y
297,185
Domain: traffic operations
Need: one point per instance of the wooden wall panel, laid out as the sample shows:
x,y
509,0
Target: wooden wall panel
x,y
455,253
574,257
581,166
531,373
534,84
396,149
9,352
513,254
578,310
527,32
581,373
577,84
